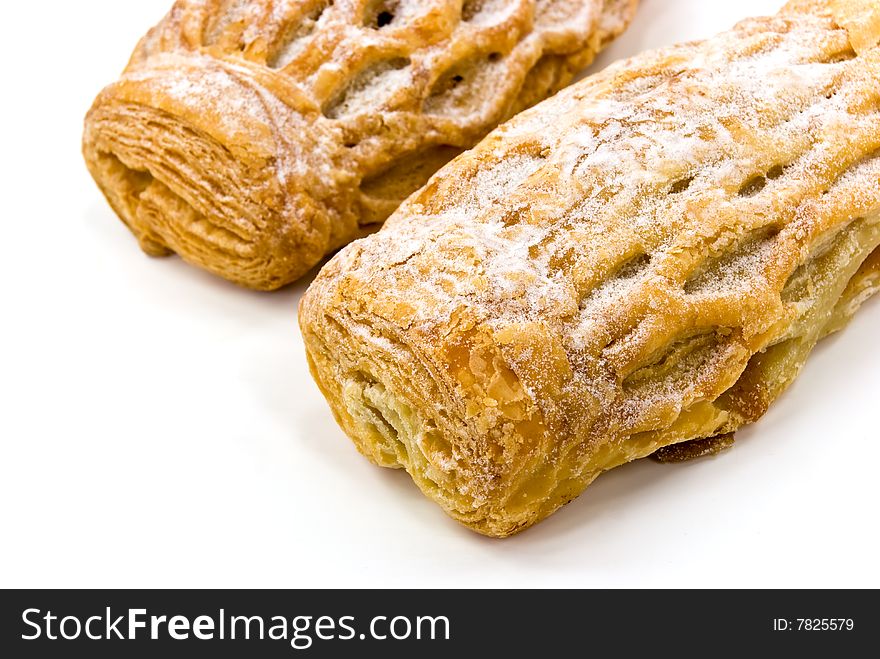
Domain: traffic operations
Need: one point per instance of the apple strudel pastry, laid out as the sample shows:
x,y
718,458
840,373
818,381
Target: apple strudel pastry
x,y
252,137
645,259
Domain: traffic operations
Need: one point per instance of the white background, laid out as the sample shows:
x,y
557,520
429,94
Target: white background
x,y
159,427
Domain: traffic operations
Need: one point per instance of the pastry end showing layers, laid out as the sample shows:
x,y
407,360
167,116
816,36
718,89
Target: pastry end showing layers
x,y
253,138
646,259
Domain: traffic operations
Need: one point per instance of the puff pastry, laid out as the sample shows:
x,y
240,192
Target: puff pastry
x,y
643,260
252,137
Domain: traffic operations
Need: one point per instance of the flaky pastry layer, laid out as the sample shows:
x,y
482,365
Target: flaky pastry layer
x,y
252,137
645,259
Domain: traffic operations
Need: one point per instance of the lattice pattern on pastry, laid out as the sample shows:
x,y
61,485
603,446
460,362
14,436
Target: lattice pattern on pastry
x,y
645,259
362,100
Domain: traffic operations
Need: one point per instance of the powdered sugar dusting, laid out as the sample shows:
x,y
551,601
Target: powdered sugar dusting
x,y
674,169
735,272
372,88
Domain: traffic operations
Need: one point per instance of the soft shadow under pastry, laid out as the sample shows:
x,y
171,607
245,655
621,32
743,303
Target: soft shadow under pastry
x,y
646,259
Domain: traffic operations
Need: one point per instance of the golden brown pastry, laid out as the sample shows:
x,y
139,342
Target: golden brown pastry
x,y
645,259
252,137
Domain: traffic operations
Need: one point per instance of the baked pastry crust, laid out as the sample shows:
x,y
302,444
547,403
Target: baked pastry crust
x,y
645,259
253,137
